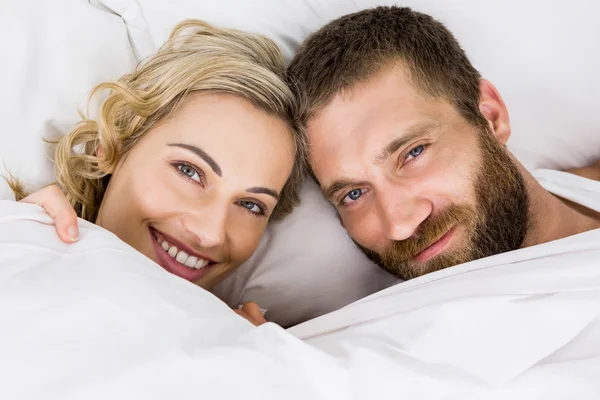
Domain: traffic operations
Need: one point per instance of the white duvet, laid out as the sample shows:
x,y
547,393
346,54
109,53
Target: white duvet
x,y
96,320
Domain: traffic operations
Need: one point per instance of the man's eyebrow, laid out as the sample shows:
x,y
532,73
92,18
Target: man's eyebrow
x,y
411,134
336,186
263,190
202,154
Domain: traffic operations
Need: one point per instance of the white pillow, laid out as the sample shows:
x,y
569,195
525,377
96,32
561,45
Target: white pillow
x,y
53,53
543,60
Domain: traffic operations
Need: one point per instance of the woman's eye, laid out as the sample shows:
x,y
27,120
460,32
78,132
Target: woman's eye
x,y
190,172
352,196
414,153
252,207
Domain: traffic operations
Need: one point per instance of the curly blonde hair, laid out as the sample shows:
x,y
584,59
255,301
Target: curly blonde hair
x,y
197,57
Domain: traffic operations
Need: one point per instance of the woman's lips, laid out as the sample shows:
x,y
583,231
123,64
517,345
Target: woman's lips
x,y
173,266
180,245
436,247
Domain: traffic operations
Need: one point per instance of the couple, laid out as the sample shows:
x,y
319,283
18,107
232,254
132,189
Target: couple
x,y
193,153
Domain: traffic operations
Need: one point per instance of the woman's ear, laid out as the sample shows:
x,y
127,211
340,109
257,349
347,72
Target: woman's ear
x,y
103,165
494,110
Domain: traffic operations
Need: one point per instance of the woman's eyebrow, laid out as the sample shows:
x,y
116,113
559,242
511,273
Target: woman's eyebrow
x,y
202,154
263,190
215,167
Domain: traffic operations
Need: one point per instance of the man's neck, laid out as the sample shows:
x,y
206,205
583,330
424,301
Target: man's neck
x,y
552,218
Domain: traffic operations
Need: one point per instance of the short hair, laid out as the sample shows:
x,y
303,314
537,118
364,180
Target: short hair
x,y
355,47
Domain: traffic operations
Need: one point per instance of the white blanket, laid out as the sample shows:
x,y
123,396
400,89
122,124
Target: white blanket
x,y
524,324
96,320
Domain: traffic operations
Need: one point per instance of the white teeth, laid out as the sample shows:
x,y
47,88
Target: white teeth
x,y
182,257
191,261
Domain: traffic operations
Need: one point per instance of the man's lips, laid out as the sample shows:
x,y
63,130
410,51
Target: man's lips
x,y
435,248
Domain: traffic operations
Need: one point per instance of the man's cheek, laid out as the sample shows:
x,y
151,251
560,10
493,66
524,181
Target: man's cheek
x,y
365,234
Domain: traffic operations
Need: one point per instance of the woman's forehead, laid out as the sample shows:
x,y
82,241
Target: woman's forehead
x,y
241,139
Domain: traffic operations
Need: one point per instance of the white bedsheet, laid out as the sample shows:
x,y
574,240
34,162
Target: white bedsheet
x,y
525,323
97,320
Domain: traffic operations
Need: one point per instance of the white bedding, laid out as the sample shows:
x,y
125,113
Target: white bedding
x,y
98,320
530,313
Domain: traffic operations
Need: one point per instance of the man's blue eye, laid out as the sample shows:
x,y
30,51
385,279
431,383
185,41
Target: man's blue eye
x,y
354,194
416,151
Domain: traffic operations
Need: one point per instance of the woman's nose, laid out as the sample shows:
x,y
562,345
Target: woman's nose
x,y
207,224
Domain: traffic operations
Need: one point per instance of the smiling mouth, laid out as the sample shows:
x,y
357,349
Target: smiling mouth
x,y
191,267
435,248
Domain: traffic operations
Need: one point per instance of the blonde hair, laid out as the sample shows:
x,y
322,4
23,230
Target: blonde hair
x,y
197,57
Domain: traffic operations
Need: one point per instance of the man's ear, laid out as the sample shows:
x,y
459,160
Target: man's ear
x,y
494,110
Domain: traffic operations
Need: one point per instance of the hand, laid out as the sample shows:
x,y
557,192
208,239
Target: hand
x,y
251,311
54,202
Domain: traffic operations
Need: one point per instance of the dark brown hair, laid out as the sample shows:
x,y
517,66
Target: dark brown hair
x,y
355,47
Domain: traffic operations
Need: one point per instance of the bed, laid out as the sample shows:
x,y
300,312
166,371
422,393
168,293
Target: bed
x,y
98,320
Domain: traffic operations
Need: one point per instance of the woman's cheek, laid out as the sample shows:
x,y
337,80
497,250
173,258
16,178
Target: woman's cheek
x,y
157,194
245,239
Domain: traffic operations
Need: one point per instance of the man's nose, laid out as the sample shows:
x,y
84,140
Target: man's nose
x,y
401,214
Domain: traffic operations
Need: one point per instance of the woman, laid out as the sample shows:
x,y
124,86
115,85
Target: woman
x,y
190,155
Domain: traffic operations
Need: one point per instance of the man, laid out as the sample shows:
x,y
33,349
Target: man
x,y
408,142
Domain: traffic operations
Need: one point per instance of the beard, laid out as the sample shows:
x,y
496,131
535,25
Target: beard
x,y
497,223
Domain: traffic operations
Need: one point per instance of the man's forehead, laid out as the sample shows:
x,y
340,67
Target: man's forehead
x,y
383,96
365,129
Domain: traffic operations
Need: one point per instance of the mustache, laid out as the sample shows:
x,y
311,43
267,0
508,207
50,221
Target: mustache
x,y
430,231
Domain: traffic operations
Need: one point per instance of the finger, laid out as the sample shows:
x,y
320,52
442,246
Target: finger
x,y
253,310
54,202
248,318
245,316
